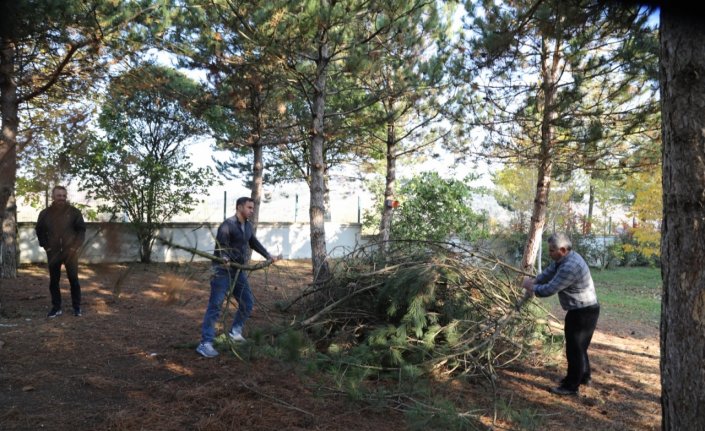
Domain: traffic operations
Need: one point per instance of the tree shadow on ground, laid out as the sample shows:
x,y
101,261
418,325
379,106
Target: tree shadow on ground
x,y
129,363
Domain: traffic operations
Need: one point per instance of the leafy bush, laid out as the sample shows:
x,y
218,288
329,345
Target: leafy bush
x,y
633,250
435,209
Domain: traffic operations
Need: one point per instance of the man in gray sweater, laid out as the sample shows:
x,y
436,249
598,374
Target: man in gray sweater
x,y
569,276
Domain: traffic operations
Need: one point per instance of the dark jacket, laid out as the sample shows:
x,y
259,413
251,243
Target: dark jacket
x,y
60,229
233,239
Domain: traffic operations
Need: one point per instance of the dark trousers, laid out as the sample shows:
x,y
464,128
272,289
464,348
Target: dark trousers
x,y
579,326
70,261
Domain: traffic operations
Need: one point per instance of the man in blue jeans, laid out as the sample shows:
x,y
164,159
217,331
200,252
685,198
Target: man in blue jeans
x,y
569,276
233,239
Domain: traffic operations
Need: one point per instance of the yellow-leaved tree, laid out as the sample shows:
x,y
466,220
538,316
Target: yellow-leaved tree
x,y
647,211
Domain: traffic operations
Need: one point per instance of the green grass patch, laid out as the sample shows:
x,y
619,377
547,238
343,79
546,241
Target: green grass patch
x,y
630,293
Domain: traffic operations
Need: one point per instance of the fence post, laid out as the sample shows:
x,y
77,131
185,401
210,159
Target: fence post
x,y
358,209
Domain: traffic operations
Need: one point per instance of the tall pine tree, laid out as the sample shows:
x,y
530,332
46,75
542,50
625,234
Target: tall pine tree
x,y
560,86
321,44
49,49
683,237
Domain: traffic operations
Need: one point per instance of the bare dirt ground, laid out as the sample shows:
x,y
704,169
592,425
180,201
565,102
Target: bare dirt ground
x,y
129,364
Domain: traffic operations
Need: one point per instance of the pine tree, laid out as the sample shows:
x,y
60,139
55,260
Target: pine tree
x,y
320,45
50,49
682,65
409,81
563,85
246,92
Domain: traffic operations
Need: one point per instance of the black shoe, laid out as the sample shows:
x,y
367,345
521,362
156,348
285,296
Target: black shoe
x,y
54,313
77,312
562,390
585,381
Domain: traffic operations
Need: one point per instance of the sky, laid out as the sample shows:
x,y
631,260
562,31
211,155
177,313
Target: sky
x,y
348,199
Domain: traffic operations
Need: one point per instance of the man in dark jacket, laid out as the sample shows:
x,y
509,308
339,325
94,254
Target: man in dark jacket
x,y
61,232
233,240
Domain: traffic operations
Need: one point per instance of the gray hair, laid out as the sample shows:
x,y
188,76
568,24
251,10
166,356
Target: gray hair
x,y
559,240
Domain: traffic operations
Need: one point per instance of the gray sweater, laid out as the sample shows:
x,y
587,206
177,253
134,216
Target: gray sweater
x,y
570,278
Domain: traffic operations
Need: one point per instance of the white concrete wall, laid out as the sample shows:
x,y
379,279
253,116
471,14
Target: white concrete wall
x,y
116,242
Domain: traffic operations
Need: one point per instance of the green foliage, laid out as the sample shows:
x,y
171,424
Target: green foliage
x,y
47,159
140,168
292,343
592,102
427,305
435,209
592,249
57,52
628,250
411,394
524,419
442,414
432,310
516,189
288,345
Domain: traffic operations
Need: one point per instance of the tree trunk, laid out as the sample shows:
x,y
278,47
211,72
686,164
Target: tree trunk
x,y
8,160
385,226
683,231
538,215
257,182
549,71
326,194
257,187
256,107
317,208
591,207
145,250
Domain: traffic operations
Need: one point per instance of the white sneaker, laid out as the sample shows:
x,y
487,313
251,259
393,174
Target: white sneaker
x,y
207,350
236,336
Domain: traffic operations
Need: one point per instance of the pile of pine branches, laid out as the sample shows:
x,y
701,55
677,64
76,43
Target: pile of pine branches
x,y
421,307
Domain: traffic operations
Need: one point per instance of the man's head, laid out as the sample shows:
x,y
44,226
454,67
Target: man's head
x,y
558,246
59,195
244,208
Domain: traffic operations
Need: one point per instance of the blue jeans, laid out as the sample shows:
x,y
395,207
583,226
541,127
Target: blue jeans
x,y
221,281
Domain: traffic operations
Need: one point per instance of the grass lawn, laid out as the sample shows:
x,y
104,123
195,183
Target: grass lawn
x,y
632,294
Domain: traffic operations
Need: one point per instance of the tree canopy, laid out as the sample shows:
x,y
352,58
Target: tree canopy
x,y
140,167
559,86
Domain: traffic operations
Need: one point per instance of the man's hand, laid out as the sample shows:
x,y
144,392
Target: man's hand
x,y
528,284
275,258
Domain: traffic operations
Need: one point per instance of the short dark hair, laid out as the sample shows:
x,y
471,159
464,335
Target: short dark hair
x,y
57,188
242,201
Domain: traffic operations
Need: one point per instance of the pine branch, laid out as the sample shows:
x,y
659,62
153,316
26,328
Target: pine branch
x,y
214,258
